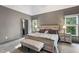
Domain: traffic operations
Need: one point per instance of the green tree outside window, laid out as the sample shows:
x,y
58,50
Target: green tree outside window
x,y
70,23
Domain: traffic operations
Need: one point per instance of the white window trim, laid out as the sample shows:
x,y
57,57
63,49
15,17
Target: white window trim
x,y
73,25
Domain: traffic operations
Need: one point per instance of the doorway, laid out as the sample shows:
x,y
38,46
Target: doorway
x,y
24,27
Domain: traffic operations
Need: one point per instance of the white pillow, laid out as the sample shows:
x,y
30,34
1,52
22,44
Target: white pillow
x,y
46,32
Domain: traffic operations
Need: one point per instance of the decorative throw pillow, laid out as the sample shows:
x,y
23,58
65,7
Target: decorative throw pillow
x,y
46,31
41,30
50,31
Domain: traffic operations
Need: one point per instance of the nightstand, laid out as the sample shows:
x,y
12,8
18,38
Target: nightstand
x,y
65,37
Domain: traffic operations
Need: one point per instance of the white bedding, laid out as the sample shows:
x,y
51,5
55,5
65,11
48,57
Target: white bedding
x,y
44,35
49,36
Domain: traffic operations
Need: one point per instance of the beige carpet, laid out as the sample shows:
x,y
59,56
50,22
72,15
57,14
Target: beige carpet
x,y
69,48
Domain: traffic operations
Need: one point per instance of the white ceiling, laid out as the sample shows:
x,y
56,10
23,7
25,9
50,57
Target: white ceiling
x,y
37,9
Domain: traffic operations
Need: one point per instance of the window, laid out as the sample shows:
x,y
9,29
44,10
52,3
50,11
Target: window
x,y
71,23
35,25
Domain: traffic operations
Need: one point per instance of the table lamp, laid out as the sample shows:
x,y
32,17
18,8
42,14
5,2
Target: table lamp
x,y
64,27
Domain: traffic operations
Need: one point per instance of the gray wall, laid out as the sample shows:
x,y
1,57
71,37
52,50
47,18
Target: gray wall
x,y
50,17
10,24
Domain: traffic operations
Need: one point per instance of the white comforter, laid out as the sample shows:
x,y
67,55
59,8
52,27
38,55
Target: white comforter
x,y
49,36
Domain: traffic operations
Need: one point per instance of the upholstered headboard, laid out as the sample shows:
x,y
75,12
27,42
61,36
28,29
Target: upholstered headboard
x,y
50,26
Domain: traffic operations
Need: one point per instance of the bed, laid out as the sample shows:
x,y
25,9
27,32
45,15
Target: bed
x,y
49,39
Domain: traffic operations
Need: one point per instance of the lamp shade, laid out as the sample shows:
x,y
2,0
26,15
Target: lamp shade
x,y
64,27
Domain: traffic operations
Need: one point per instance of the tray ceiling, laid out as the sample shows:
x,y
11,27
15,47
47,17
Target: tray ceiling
x,y
37,9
